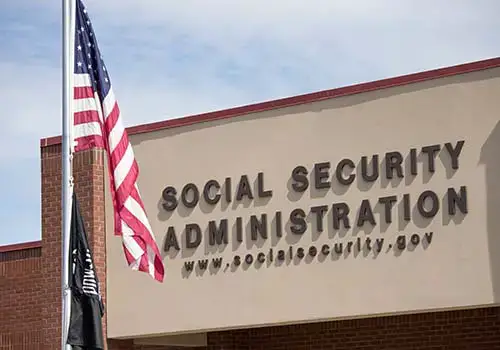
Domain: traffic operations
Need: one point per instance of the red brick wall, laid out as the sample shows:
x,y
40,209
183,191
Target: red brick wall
x,y
458,330
129,345
30,294
20,295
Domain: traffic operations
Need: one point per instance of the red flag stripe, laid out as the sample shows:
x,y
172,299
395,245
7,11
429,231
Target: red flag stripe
x,y
86,117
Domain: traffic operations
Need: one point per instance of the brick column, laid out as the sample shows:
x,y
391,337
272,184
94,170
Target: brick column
x,y
88,171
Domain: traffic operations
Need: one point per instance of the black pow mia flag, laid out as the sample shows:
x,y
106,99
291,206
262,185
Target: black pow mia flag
x,y
87,309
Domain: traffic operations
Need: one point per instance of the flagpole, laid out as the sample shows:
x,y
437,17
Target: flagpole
x,y
68,18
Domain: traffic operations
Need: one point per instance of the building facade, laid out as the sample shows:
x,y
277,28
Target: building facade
x,y
362,217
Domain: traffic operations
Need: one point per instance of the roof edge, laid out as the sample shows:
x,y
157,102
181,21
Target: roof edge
x,y
305,98
20,246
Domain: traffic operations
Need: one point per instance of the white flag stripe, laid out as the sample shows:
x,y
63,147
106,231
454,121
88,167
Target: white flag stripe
x,y
86,129
151,257
132,247
109,103
134,207
115,135
81,80
134,265
126,230
122,168
145,220
84,105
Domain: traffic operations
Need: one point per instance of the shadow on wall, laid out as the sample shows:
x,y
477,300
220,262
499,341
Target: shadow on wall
x,y
490,158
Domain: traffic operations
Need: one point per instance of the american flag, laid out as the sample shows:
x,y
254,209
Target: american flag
x,y
98,124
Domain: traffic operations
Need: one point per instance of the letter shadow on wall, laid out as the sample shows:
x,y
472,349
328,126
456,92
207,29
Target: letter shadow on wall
x,y
372,169
395,181
292,195
163,215
490,159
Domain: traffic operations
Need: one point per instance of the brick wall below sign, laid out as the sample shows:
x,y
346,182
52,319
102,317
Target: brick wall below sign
x,y
464,329
455,330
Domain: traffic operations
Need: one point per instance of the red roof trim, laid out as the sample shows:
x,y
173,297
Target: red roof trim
x,y
20,246
307,98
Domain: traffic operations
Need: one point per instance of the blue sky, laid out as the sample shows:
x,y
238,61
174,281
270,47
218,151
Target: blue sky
x,y
168,59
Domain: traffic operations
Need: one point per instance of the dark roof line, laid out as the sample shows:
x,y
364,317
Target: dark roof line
x,y
20,246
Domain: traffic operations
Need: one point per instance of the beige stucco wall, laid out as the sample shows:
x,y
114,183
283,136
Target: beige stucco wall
x,y
459,268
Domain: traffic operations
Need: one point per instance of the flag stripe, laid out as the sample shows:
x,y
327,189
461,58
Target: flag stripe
x,y
120,149
89,142
82,80
87,129
109,102
115,128
83,92
84,105
86,117
120,170
123,191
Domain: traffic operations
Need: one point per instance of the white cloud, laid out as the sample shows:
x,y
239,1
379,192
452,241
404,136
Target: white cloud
x,y
326,42
290,22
